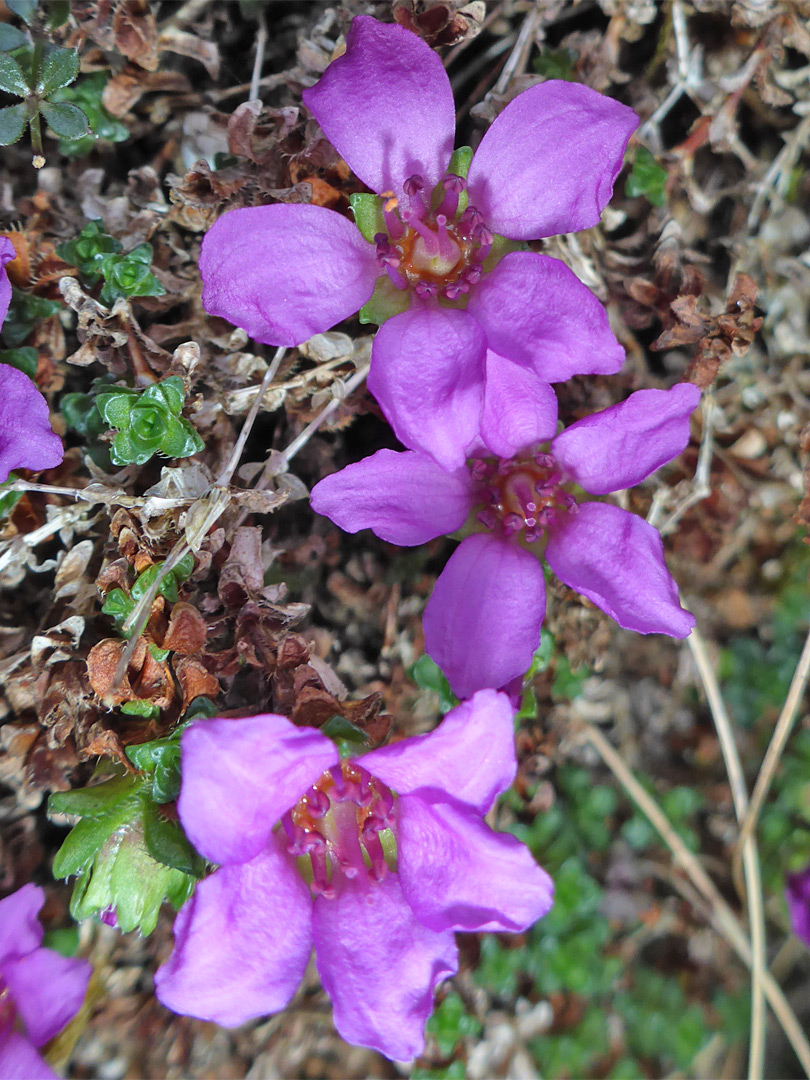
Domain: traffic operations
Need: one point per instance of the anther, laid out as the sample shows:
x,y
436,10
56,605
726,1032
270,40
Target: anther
x,y
453,186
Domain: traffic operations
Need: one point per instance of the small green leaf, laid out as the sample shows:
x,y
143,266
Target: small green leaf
x,y
80,413
23,359
647,178
183,570
11,38
180,440
169,392
9,499
122,452
65,120
12,123
58,12
556,64
59,68
201,707
368,215
118,606
385,302
23,9
12,79
141,707
95,801
115,406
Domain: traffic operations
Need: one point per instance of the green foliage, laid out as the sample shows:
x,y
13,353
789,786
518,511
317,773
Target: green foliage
x,y
784,826
80,413
35,74
24,359
8,499
567,684
427,674
23,315
119,604
98,256
64,940
159,759
573,1052
127,856
148,422
556,64
647,178
756,672
659,1021
87,95
454,1071
680,804
451,1023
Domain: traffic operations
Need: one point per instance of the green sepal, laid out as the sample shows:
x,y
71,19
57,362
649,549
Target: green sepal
x,y
59,68
502,246
460,161
12,124
385,302
23,359
427,674
167,844
66,121
339,729
12,79
95,801
368,215
179,888
86,839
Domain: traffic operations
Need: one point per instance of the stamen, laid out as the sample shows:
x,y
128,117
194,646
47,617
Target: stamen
x,y
379,867
399,280
455,289
487,518
482,238
520,495
453,186
413,187
426,289
320,875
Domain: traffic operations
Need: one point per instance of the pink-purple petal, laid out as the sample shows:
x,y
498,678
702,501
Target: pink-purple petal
x,y
482,623
520,410
7,254
457,874
427,373
240,776
548,163
470,755
797,895
380,966
620,446
405,498
241,943
20,929
47,990
617,560
20,1061
536,311
386,106
26,438
285,272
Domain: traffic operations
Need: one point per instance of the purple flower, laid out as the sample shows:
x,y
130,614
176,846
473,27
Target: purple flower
x,y
26,438
268,801
545,166
482,623
797,894
40,991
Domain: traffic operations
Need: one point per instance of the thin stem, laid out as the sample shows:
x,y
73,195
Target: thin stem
x,y
750,855
301,441
781,734
261,42
722,917
236,454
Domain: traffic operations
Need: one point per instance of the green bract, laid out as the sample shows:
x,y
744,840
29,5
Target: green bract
x,y
127,856
148,422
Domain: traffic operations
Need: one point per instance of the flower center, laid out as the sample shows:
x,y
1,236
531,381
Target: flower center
x,y
520,495
433,249
336,826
